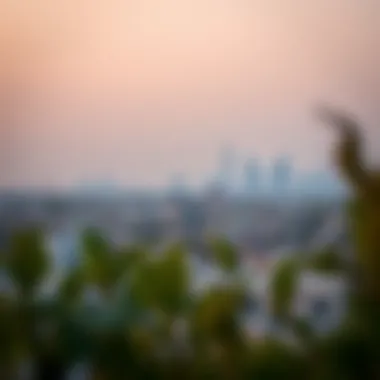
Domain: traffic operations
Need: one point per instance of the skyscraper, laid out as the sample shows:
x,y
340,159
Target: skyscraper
x,y
282,175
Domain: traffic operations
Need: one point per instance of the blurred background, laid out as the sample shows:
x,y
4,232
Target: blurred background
x,y
177,111
156,123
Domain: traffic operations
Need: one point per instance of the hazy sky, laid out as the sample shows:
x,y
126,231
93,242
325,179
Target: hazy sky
x,y
134,90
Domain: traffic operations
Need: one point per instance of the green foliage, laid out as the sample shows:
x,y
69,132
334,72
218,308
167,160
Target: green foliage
x,y
8,330
216,314
114,355
225,254
358,352
327,261
75,339
271,360
71,288
348,353
128,258
94,245
364,208
348,153
130,335
365,222
162,283
101,265
28,261
284,286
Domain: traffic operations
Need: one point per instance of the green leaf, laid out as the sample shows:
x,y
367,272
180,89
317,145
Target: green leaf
x,y
102,267
9,327
284,285
162,283
327,261
128,258
94,245
216,314
225,254
275,360
173,279
28,261
72,286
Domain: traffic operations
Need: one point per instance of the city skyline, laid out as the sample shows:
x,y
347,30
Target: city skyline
x,y
235,172
249,175
245,174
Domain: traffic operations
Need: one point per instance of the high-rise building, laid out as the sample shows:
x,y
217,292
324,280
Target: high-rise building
x,y
282,175
251,177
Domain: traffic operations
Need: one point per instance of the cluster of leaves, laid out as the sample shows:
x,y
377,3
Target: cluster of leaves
x,y
147,323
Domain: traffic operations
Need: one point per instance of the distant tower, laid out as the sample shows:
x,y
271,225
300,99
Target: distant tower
x,y
226,175
251,177
282,175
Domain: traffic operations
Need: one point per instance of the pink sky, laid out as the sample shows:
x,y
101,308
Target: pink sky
x,y
133,91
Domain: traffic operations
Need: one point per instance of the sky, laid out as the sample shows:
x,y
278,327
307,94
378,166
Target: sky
x,y
132,91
